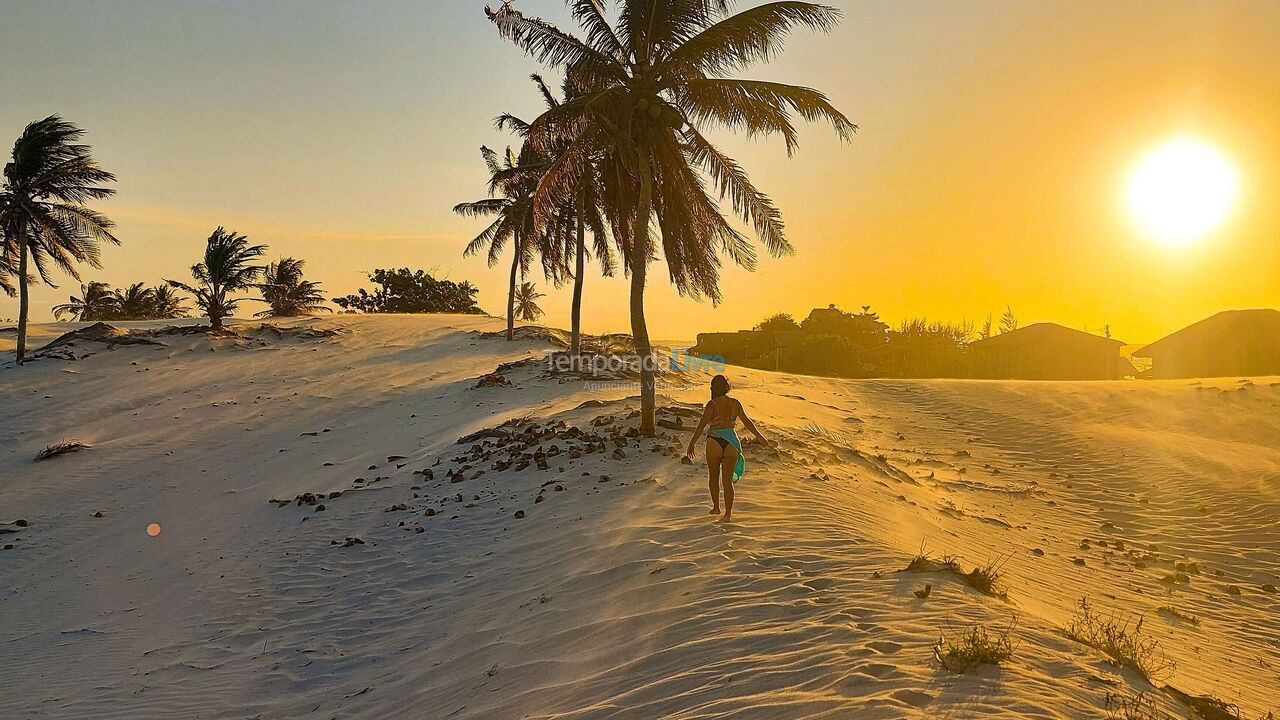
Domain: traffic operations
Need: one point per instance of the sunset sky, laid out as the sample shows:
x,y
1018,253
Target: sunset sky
x,y
990,166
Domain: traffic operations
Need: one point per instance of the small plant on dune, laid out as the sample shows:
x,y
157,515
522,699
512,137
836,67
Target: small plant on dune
x,y
925,562
986,579
973,648
1133,707
1123,642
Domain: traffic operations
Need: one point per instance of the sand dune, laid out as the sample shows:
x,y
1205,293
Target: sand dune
x,y
599,587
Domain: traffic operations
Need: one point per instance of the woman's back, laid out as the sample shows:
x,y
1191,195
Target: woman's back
x,y
724,412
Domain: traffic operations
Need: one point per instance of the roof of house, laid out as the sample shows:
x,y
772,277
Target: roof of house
x,y
1215,329
830,310
1045,331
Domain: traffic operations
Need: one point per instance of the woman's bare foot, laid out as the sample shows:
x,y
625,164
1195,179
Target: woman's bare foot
x,y
727,518
715,510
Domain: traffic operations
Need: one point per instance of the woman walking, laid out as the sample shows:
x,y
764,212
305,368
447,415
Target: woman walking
x,y
725,461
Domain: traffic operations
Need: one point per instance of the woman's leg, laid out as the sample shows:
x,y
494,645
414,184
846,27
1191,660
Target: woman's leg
x,y
728,461
714,454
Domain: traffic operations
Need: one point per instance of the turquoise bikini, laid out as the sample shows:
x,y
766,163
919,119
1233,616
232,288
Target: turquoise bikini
x,y
730,436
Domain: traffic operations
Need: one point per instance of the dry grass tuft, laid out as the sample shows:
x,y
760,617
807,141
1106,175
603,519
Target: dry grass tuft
x,y
973,648
1123,642
1133,707
985,579
61,448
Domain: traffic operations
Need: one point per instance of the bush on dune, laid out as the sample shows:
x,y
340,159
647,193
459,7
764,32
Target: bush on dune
x,y
402,291
973,648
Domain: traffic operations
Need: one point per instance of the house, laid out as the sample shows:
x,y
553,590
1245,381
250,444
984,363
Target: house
x,y
734,348
1048,351
1235,342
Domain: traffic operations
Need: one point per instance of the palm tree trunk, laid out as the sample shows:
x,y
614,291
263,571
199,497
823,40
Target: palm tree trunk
x,y
215,308
511,293
575,340
639,329
21,350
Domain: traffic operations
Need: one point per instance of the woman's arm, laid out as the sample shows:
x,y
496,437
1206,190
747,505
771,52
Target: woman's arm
x,y
748,424
702,425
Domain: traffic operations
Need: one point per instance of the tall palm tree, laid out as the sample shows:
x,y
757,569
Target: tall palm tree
x,y
583,212
655,81
287,293
513,213
136,302
47,183
166,303
96,302
527,297
226,269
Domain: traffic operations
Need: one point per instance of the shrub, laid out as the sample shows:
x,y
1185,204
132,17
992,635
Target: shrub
x,y
974,647
1122,642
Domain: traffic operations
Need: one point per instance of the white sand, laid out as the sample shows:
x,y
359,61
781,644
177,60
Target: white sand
x,y
618,599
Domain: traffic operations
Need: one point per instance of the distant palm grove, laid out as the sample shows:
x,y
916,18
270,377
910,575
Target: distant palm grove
x,y
621,152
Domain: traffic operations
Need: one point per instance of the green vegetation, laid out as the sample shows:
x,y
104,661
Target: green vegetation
x,y
640,103
403,291
974,648
44,219
1124,643
227,269
97,301
286,293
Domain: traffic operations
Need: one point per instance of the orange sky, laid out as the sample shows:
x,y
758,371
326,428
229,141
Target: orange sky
x,y
994,140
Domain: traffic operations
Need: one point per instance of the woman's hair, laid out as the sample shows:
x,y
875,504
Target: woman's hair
x,y
719,386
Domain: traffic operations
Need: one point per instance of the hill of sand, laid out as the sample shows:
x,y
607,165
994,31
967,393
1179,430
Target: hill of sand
x,y
405,574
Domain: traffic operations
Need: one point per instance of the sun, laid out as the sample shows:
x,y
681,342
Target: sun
x,y
1181,190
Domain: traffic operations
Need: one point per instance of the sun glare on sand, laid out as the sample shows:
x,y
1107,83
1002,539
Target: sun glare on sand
x,y
1181,190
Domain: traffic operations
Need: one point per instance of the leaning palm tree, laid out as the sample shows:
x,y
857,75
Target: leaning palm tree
x,y
226,269
136,302
45,221
96,302
287,293
655,82
527,297
166,303
513,213
582,213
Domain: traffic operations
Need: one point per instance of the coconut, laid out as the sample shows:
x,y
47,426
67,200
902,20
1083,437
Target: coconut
x,y
643,104
655,112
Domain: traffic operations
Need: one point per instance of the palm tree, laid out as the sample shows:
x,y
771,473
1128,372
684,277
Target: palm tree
x,y
287,293
137,302
513,211
96,302
226,269
582,212
47,183
527,297
654,83
8,257
167,303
